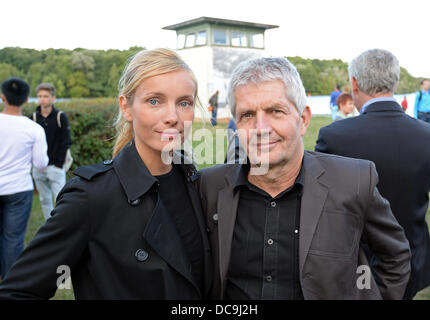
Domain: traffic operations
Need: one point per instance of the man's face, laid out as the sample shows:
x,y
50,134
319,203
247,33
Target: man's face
x,y
46,99
426,85
269,124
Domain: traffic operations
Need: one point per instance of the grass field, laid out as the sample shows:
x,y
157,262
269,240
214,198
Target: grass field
x,y
36,218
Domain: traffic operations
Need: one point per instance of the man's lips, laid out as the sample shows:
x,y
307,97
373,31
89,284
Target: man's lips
x,y
265,145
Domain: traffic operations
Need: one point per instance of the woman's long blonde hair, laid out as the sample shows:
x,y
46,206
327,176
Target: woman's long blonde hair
x,y
143,65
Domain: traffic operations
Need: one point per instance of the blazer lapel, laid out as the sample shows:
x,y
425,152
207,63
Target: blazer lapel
x,y
208,268
313,200
226,209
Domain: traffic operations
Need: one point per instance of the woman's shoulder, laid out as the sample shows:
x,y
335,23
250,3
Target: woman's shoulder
x,y
89,172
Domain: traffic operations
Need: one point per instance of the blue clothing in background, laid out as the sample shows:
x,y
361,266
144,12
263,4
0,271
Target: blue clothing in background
x,y
14,214
333,97
333,104
424,104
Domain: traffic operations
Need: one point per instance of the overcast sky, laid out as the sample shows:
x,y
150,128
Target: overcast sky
x,y
325,29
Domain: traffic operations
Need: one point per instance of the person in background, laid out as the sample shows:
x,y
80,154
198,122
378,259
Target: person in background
x,y
346,89
131,227
422,102
23,144
345,105
398,145
235,151
50,181
333,98
404,103
213,103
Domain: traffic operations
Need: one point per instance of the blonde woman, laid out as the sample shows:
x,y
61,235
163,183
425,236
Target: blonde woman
x,y
131,227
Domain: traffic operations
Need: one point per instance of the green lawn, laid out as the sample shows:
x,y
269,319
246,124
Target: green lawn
x,y
36,218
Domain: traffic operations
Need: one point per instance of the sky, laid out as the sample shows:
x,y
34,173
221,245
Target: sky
x,y
325,29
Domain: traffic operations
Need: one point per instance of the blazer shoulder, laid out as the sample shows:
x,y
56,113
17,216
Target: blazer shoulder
x,y
336,159
344,124
340,165
217,177
219,170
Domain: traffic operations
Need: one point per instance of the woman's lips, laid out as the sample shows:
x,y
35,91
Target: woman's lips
x,y
169,134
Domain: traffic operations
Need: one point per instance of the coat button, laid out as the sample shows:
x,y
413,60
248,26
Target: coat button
x,y
107,162
141,255
134,202
215,217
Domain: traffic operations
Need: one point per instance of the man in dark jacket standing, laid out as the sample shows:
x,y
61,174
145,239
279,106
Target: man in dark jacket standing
x,y
51,180
396,143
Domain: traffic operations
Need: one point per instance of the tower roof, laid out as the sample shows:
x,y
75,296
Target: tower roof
x,y
218,22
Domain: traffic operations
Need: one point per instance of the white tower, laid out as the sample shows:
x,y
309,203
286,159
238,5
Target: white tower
x,y
213,47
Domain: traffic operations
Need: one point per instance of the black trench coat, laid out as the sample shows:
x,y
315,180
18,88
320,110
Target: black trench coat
x,y
117,241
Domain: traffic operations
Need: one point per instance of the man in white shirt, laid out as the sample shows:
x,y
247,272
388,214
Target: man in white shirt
x,y
23,144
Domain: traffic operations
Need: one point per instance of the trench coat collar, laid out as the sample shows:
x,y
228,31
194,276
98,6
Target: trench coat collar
x,y
135,177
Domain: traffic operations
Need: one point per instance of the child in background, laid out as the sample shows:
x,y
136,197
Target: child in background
x,y
345,105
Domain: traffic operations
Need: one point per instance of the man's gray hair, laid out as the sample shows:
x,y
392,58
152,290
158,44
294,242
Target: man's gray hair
x,y
268,69
376,71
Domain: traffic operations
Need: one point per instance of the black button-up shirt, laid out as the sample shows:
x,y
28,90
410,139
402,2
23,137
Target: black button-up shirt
x,y
264,261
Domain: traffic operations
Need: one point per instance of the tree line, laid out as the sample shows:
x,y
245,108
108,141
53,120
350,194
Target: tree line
x,y
321,76
82,73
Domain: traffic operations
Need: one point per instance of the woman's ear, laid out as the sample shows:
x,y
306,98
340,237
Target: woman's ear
x,y
125,108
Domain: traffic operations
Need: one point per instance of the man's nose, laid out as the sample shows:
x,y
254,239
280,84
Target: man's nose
x,y
262,124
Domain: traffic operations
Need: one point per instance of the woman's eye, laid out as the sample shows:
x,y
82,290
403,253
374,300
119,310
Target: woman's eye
x,y
153,102
185,104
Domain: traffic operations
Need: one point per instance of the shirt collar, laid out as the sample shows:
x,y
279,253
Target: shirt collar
x,y
242,176
382,99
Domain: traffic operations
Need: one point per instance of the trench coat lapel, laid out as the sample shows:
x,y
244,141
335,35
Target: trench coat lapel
x,y
162,236
314,196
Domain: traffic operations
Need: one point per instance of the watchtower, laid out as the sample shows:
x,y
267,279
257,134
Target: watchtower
x,y
213,47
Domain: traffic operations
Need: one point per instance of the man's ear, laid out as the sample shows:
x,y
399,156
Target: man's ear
x,y
125,109
354,85
306,119
3,98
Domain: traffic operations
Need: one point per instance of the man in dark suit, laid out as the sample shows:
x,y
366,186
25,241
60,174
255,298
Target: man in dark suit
x,y
396,143
288,223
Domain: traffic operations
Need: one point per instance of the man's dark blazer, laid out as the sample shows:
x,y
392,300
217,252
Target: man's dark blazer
x,y
340,206
400,148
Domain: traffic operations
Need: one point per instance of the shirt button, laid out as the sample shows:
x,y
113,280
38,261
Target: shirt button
x,y
270,241
269,278
273,204
296,231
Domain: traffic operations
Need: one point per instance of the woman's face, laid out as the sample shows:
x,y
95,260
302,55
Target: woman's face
x,y
161,112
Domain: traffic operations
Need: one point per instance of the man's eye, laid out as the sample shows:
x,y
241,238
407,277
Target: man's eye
x,y
246,115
